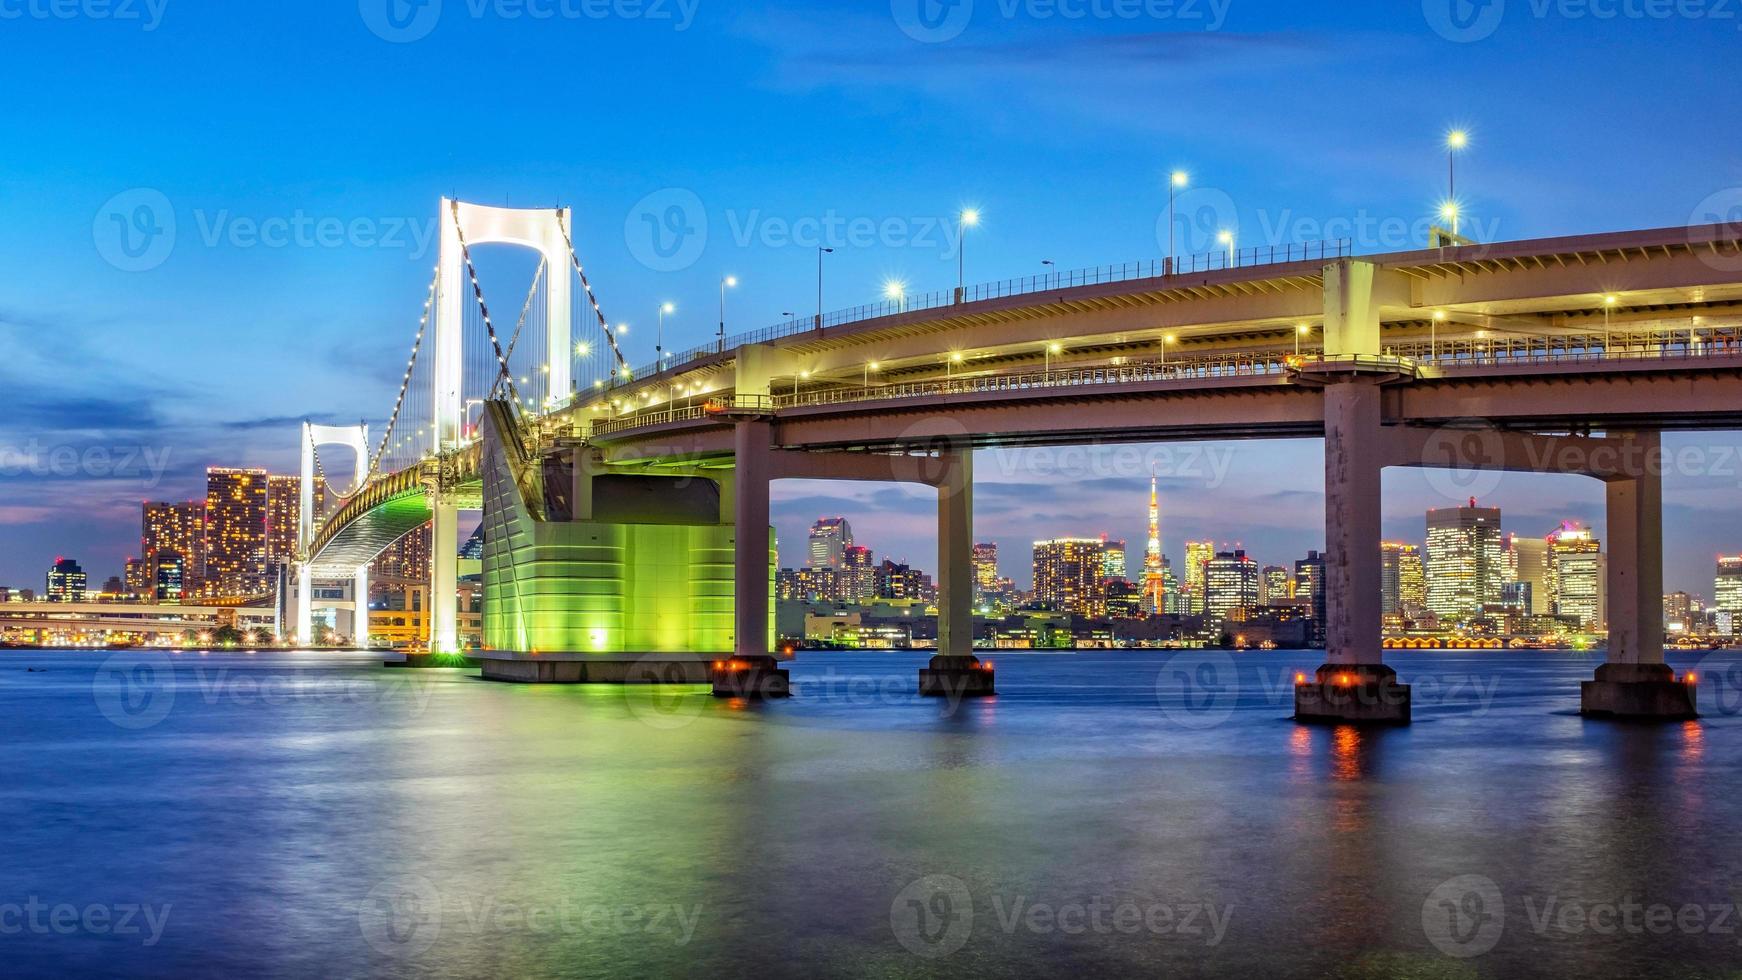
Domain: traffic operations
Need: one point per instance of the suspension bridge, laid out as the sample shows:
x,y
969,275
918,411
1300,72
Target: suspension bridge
x,y
613,495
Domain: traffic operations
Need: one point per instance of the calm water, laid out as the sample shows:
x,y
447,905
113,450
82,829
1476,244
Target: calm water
x,y
1107,815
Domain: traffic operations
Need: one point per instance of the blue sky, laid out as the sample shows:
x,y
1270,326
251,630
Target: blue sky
x,y
1297,121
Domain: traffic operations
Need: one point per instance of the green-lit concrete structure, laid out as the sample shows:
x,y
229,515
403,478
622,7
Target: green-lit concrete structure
x,y
603,578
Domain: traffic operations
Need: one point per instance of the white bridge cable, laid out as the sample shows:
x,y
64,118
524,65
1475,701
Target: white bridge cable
x,y
393,440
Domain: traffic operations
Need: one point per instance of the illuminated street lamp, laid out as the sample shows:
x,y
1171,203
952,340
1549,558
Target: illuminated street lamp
x,y
1052,349
895,291
1608,308
1449,211
870,366
1226,237
1434,334
1169,339
970,218
1175,181
1456,140
1300,331
659,339
732,282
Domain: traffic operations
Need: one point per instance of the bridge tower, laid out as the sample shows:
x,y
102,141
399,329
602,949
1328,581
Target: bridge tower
x,y
356,439
546,231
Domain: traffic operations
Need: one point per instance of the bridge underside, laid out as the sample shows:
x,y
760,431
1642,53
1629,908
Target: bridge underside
x,y
364,539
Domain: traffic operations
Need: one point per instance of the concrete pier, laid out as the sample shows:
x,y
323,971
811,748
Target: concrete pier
x,y
957,677
419,661
1639,692
1358,694
584,668
955,672
749,677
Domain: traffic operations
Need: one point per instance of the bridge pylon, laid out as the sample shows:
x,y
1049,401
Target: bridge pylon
x,y
356,439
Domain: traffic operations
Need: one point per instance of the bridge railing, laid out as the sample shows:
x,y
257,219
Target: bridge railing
x,y
1631,345
1216,261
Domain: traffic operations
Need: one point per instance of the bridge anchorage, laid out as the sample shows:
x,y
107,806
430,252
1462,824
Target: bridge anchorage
x,y
626,511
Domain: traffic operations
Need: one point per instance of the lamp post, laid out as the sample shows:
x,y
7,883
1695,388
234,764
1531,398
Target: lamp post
x,y
1175,181
1433,336
659,338
1299,332
1608,307
1450,211
895,291
821,251
1052,349
731,281
1054,270
870,366
1456,140
970,217
1226,237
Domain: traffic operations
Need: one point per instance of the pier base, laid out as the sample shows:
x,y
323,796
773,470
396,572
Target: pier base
x,y
1351,694
1639,692
749,677
956,677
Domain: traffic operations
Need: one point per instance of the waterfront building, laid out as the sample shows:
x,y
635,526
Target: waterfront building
x,y
66,582
1727,586
1198,555
1465,562
1068,576
1230,587
1578,575
177,529
985,572
235,556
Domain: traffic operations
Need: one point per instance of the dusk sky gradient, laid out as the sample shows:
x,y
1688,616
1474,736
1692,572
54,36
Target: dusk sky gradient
x,y
1297,121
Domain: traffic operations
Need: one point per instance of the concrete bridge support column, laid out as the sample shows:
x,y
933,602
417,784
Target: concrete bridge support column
x,y
1354,685
1635,682
752,671
360,608
444,576
305,606
955,672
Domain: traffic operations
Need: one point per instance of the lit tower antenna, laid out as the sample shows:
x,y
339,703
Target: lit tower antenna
x,y
1153,587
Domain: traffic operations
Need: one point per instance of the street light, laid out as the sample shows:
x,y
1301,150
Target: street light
x,y
821,251
1226,237
870,366
659,338
1051,350
1608,307
1169,339
1456,140
895,291
1449,211
970,218
1049,264
1299,332
1433,335
1175,181
729,281
949,366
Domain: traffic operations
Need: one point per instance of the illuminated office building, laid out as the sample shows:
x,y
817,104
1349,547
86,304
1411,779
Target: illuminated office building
x,y
66,582
1198,555
829,540
1230,587
1465,561
1727,586
985,572
1067,576
1578,575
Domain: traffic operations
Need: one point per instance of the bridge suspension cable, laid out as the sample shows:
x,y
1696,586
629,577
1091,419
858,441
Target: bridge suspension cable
x,y
390,440
622,363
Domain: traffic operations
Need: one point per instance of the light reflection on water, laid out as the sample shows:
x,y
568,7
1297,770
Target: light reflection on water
x,y
286,804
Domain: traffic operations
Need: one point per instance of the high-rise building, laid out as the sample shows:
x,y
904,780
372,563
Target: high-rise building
x,y
175,529
1727,586
170,584
1112,559
406,560
1230,587
284,515
1399,573
899,581
859,575
1465,562
235,533
1198,554
137,573
1678,612
1309,590
1578,575
1067,576
66,582
830,538
1276,590
1411,583
1527,564
1155,590
1173,600
985,572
